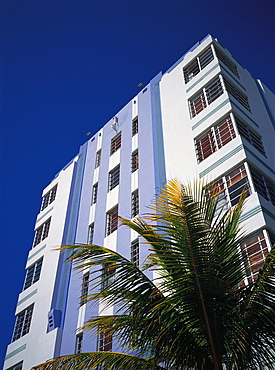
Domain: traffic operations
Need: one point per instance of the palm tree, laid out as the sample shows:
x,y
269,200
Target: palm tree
x,y
199,311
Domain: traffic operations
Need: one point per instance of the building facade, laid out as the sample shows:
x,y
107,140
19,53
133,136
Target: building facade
x,y
206,117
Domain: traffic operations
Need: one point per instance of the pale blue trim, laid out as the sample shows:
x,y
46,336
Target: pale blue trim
x,y
244,113
35,253
13,353
221,160
27,297
260,160
213,111
202,77
250,213
40,218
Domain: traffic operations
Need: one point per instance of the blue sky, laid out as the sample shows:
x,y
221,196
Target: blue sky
x,y
67,66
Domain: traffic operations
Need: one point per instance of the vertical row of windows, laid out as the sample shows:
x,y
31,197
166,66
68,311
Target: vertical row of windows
x,y
135,126
91,234
134,203
49,197
23,323
98,158
105,342
42,232
33,273
79,343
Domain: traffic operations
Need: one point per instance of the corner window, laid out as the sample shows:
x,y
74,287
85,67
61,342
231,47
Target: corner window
x,y
23,323
250,135
112,220
33,273
254,250
197,64
263,186
114,178
49,197
236,93
226,61
206,96
115,143
215,138
42,232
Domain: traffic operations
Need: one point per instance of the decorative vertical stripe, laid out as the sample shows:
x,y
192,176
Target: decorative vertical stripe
x,y
13,353
221,160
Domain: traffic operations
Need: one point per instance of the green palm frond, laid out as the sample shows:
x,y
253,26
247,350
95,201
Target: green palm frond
x,y
196,312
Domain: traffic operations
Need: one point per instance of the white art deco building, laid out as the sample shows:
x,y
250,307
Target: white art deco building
x,y
206,117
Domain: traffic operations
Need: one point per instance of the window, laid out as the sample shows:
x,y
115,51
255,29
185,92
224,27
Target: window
x,y
112,220
78,343
33,273
115,143
134,160
254,250
135,252
18,366
23,323
91,234
42,232
49,197
105,342
95,188
114,178
237,94
134,203
263,186
84,288
194,67
209,93
135,126
226,61
107,275
98,158
230,187
251,136
215,138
